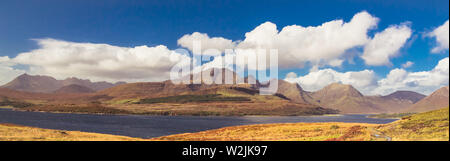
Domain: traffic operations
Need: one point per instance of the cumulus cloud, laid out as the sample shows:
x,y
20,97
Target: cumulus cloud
x,y
205,43
424,81
7,72
320,45
386,45
366,81
361,80
441,35
63,59
291,75
407,64
328,44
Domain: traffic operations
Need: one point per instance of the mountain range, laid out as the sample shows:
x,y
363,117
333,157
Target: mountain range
x,y
46,84
347,99
344,98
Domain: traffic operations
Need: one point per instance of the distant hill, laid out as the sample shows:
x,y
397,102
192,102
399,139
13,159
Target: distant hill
x,y
406,95
347,99
436,100
28,83
96,86
344,98
294,92
74,88
46,84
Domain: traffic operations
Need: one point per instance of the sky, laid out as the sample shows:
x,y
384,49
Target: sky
x,y
376,46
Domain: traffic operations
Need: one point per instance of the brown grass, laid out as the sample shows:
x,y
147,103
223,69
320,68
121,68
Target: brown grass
x,y
432,125
281,132
429,126
11,132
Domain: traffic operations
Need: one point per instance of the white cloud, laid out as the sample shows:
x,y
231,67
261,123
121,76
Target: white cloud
x,y
424,82
361,80
7,72
321,45
407,64
441,34
206,43
63,59
291,75
386,45
365,81
325,45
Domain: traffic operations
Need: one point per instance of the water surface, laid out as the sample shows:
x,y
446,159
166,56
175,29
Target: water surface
x,y
154,126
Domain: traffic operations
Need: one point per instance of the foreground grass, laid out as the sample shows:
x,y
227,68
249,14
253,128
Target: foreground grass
x,y
432,125
282,132
9,132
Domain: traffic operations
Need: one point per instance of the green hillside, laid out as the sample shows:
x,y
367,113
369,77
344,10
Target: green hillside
x,y
431,125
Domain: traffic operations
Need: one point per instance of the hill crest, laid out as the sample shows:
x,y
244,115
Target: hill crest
x,y
436,100
47,84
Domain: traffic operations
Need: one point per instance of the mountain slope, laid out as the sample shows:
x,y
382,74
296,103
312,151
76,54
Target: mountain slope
x,y
294,92
96,86
28,83
436,100
344,98
347,99
74,88
406,95
46,84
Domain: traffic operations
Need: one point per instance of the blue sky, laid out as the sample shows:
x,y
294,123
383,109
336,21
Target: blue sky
x,y
151,23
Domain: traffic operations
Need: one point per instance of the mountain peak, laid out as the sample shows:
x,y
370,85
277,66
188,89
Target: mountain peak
x,y
74,88
47,84
294,92
406,95
347,99
26,76
341,89
443,91
436,100
23,75
339,85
